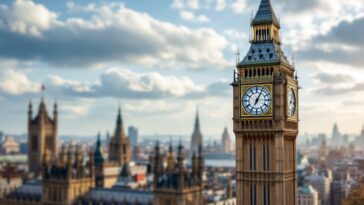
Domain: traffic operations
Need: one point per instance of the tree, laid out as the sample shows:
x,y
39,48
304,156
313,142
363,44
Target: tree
x,y
356,196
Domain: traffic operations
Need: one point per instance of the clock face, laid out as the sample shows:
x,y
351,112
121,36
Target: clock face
x,y
257,100
291,103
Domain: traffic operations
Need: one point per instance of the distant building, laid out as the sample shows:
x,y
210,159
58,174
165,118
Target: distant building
x,y
323,151
226,141
176,184
132,177
1,136
10,179
359,141
119,147
336,138
338,192
322,185
42,136
196,138
9,146
307,195
63,181
133,136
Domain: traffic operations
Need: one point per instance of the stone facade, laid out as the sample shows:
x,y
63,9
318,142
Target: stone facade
x,y
265,105
196,137
176,184
42,136
119,147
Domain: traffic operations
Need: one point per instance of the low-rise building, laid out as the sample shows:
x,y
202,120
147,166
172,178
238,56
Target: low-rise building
x,y
307,195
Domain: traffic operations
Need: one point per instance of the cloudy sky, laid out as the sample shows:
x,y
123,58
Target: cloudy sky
x,y
162,58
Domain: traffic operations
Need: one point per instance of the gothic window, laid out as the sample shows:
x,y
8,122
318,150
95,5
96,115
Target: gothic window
x,y
266,194
253,158
253,194
49,143
265,156
34,143
124,149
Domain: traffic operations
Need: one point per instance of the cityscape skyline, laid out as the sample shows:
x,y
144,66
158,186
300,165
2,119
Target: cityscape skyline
x,y
169,89
181,102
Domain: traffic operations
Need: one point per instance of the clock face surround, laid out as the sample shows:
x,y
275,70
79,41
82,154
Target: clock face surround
x,y
256,100
291,102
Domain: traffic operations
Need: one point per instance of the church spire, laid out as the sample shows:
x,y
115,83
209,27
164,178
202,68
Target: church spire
x,y
265,14
119,123
197,121
196,137
98,158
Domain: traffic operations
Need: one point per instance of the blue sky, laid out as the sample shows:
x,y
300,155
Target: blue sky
x,y
160,59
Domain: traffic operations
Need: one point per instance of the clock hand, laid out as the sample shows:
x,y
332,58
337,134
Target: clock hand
x,y
257,100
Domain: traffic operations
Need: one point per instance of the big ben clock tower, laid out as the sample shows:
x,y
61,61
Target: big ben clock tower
x,y
265,104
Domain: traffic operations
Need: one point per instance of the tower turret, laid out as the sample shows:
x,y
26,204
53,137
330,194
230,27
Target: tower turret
x,y
63,156
194,164
119,146
196,137
156,165
200,162
42,137
30,113
55,114
170,159
181,168
265,107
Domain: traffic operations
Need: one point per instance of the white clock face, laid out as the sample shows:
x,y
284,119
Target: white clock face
x,y
291,103
257,100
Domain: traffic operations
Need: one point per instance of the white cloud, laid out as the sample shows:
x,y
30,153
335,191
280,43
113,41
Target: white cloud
x,y
26,17
75,109
123,83
239,6
132,37
220,5
16,83
178,4
185,4
190,16
193,4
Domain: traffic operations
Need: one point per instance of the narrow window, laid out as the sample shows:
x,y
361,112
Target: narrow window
x,y
251,195
255,158
251,156
264,157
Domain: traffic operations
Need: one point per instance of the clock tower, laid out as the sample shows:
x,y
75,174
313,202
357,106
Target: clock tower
x,y
265,105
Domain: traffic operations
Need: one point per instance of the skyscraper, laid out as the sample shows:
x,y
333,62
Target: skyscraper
x,y
133,135
265,105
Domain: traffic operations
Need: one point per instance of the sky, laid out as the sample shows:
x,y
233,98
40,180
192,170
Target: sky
x,y
161,59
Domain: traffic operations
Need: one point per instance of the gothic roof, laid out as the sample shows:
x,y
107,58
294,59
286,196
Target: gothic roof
x,y
119,124
265,14
98,158
27,192
118,196
306,189
260,53
42,113
196,137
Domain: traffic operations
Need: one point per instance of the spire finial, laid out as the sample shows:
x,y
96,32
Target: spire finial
x,y
42,90
55,106
197,120
170,145
237,54
30,105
